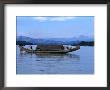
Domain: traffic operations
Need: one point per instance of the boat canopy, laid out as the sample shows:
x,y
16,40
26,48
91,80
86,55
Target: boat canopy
x,y
50,47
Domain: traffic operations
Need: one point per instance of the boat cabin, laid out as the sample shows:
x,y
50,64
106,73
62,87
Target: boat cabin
x,y
50,47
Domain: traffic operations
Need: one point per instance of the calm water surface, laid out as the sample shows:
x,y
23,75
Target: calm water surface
x,y
78,62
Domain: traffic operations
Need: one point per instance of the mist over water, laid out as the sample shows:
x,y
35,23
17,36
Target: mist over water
x,y
76,62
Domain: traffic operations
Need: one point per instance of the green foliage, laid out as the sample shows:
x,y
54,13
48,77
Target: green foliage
x,y
23,43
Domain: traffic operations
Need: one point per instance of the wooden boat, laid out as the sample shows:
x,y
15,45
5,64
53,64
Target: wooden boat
x,y
50,49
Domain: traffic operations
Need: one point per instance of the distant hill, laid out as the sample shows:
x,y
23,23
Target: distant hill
x,y
70,41
85,43
85,38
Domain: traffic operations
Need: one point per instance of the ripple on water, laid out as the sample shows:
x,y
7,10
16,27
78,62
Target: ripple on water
x,y
79,62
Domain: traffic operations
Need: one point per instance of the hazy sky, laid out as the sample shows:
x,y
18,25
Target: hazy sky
x,y
55,27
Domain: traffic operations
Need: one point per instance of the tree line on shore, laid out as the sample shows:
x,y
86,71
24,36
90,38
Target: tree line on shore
x,y
81,43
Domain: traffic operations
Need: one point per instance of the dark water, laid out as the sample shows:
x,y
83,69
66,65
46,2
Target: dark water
x,y
78,62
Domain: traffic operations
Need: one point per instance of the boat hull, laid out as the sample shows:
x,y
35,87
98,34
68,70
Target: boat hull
x,y
33,51
54,51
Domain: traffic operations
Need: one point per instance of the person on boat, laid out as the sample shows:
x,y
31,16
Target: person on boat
x,y
31,47
67,47
62,47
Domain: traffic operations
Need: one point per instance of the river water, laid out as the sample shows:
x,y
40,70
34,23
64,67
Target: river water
x,y
76,62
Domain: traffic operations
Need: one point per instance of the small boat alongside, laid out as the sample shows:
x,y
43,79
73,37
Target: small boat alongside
x,y
50,49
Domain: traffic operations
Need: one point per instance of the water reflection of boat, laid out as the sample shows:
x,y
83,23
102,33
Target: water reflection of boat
x,y
50,49
52,55
61,56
